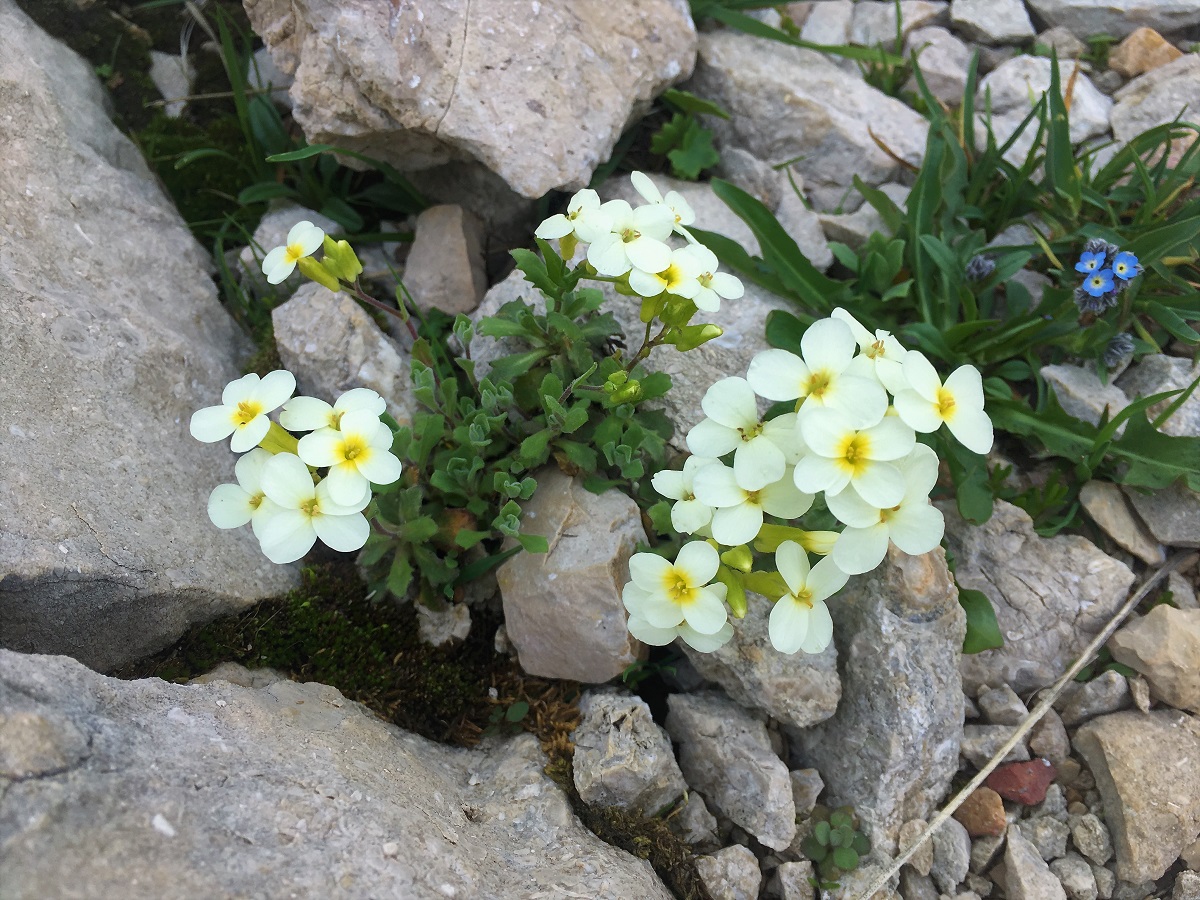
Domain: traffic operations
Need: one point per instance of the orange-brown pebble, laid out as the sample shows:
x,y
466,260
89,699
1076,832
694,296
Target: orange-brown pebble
x,y
982,813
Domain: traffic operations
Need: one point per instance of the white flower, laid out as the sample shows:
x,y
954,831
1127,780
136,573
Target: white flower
x,y
303,240
882,351
635,598
310,413
824,376
914,525
233,505
714,285
583,216
678,278
738,515
841,455
958,403
673,593
636,239
245,403
760,449
306,512
688,514
800,619
358,453
673,201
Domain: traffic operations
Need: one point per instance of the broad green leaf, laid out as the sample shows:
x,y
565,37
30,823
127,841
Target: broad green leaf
x,y
983,631
1171,320
689,102
400,575
696,154
533,543
1154,460
535,271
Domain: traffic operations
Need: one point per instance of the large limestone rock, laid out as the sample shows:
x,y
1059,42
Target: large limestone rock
x,y
1118,17
563,609
146,790
1051,595
892,747
1164,645
537,92
112,337
793,104
798,690
1151,792
1159,96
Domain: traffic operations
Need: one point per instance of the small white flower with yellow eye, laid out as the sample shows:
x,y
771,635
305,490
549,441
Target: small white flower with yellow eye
x,y
673,201
306,512
233,505
714,286
800,619
303,240
660,637
881,351
667,594
958,403
245,403
311,414
738,513
679,278
357,454
584,217
761,450
841,455
688,515
637,239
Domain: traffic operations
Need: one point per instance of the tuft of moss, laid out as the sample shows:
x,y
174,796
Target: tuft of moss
x,y
265,357
650,838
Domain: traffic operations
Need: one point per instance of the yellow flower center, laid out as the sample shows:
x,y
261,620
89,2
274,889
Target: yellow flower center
x,y
670,278
256,500
335,419
749,434
854,452
295,252
355,449
876,349
629,235
705,279
886,514
818,383
945,404
678,586
247,411
803,597
311,507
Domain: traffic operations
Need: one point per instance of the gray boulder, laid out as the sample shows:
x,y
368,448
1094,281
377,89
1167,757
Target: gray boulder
x,y
1118,17
146,790
113,336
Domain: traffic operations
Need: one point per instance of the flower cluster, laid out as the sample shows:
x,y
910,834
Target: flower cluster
x,y
293,491
860,401
1107,271
632,245
338,262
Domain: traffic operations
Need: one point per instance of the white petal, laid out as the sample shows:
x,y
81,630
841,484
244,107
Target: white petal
x,y
229,506
826,579
287,536
275,261
306,414
648,634
966,385
727,286
920,471
861,335
705,643
648,254
670,483
814,474
211,424
777,375
287,481
824,430
850,509
973,429
757,463
274,389
788,625
308,236
784,433
361,398
661,612
917,528
554,227
828,344
730,402
647,571
706,614
820,629
634,598
239,389
784,500
921,375
646,284
699,560
607,254
890,439
381,467
710,439
655,223
792,563
917,413
863,400
880,484
345,504
323,447
644,186
717,486
689,516
246,437
736,525
249,469
343,533
267,508
345,484
860,550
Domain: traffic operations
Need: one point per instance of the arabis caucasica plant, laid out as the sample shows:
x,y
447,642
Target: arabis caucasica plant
x,y
861,401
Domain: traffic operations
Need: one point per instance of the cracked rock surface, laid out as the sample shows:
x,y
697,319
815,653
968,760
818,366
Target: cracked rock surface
x,y
113,336
151,790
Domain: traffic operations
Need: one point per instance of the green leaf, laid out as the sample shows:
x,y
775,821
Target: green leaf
x,y
670,135
822,831
419,530
845,858
784,330
535,448
1154,460
533,543
468,539
517,711
1062,174
535,271
477,569
491,326
983,632
687,102
400,575
303,153
264,191
1171,320
696,154
744,23
780,251
814,849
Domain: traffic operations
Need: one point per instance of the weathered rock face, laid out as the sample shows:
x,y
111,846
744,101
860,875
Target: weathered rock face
x,y
332,345
149,790
1143,50
1117,17
788,103
539,93
563,608
112,337
1156,373
1051,595
892,747
726,753
445,269
1152,807
1164,645
798,690
1158,96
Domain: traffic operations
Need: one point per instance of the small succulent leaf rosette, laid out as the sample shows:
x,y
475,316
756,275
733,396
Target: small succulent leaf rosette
x,y
861,401
295,491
